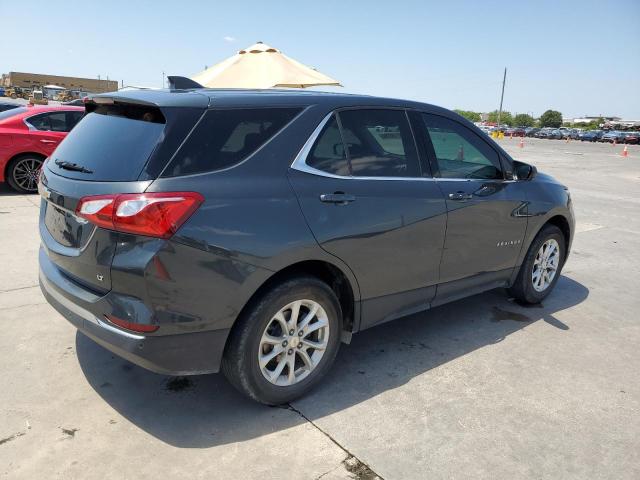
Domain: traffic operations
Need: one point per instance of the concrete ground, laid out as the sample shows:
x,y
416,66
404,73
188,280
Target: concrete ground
x,y
481,388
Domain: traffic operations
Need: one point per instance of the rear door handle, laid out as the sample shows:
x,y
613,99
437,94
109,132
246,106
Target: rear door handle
x,y
47,141
338,198
460,196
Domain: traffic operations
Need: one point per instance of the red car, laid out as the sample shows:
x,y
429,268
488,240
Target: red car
x,y
28,135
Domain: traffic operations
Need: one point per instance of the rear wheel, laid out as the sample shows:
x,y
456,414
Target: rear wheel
x,y
23,171
541,267
286,342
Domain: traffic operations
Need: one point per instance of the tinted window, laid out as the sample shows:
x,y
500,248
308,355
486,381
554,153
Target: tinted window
x,y
226,137
114,148
58,122
40,122
55,121
379,143
328,153
460,153
73,118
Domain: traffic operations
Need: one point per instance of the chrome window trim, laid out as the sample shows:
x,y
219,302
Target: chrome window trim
x,y
300,163
31,127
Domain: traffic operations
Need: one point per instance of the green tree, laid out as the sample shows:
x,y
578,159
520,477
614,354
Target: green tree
x,y
551,118
469,115
524,120
505,117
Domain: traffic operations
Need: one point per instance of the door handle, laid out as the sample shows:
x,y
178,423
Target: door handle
x,y
339,198
460,196
47,141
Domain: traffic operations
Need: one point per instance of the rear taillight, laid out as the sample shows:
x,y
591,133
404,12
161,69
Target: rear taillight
x,y
151,214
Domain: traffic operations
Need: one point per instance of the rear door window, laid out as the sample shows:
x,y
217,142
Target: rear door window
x,y
224,138
40,122
328,154
62,121
73,118
379,143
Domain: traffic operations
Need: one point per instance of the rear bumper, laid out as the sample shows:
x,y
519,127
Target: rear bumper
x,y
180,354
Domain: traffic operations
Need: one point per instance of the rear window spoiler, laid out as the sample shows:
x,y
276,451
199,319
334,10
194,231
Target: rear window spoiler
x,y
179,95
182,83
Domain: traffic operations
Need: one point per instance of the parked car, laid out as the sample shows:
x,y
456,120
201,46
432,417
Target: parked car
x,y
555,134
78,102
201,230
543,132
531,131
613,137
514,132
590,135
8,106
569,133
28,135
631,137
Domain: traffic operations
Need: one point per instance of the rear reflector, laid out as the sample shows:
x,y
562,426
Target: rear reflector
x,y
150,214
134,327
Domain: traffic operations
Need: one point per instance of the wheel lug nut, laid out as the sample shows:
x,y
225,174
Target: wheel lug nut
x,y
299,345
290,352
291,332
285,343
300,333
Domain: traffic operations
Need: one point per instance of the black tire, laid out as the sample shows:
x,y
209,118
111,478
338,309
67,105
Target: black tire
x,y
522,289
240,361
31,158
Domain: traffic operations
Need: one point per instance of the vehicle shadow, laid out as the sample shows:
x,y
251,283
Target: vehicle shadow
x,y
7,191
205,411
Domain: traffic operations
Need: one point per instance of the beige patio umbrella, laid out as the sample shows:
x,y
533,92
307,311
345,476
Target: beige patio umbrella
x,y
261,66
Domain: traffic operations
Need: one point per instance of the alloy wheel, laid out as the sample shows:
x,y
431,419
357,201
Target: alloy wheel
x,y
545,265
25,173
293,343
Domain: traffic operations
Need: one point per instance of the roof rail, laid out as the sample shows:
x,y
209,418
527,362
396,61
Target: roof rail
x,y
182,83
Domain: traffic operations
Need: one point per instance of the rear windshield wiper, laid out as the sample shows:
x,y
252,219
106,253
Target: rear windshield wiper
x,y
72,166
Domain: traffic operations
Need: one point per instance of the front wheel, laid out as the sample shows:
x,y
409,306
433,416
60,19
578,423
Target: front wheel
x,y
541,267
286,341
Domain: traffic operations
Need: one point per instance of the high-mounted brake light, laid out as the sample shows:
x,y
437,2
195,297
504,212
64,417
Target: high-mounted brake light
x,y
151,214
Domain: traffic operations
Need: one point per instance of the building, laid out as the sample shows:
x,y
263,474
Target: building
x,y
593,119
37,80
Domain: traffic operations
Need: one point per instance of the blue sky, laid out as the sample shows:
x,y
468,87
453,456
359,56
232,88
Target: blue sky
x,y
579,57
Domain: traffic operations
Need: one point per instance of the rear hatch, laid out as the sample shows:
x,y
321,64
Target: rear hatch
x,y
120,146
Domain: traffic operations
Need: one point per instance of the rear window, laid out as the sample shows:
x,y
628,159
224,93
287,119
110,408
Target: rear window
x,y
224,138
111,145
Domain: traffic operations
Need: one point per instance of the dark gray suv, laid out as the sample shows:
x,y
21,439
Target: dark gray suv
x,y
254,231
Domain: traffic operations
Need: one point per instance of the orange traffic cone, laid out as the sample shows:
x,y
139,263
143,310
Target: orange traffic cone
x,y
521,144
625,152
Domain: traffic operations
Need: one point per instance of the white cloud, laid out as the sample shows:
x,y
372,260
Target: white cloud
x,y
229,39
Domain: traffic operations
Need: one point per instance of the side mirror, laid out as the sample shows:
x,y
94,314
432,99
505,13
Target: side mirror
x,y
524,171
532,173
